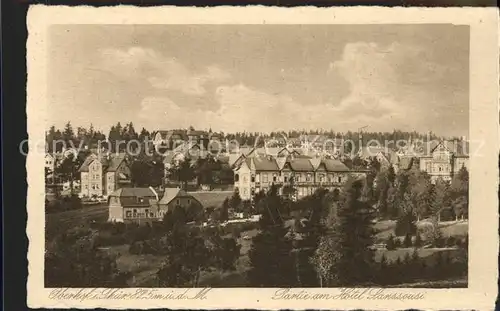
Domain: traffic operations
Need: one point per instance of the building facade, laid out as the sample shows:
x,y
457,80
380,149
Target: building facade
x,y
305,175
445,159
143,205
100,176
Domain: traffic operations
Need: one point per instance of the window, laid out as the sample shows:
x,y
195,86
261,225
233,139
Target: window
x,y
189,201
264,178
128,214
339,179
440,168
252,178
236,177
275,178
178,201
308,177
286,179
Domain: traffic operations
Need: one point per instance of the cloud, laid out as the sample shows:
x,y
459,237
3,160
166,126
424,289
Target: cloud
x,y
389,85
161,72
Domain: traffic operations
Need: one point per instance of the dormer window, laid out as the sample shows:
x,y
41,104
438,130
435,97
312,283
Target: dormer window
x,y
140,200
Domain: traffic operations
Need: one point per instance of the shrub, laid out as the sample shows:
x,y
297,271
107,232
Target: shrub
x,y
418,240
451,241
439,242
397,243
407,241
136,248
406,224
390,245
103,239
236,232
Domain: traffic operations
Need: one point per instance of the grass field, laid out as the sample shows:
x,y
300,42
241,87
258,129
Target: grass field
x,y
144,267
385,228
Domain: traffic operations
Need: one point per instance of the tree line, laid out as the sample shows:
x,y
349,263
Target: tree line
x,y
119,132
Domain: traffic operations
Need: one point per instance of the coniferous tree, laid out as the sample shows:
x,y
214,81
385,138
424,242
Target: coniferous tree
x,y
407,241
270,262
460,193
346,252
418,240
390,245
439,195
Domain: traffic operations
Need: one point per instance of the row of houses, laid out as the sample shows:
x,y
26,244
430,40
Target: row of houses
x,y
440,159
258,173
101,175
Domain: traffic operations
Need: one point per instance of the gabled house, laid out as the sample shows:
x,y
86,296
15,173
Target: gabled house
x,y
444,159
50,162
175,197
143,205
169,139
132,205
255,174
331,173
101,175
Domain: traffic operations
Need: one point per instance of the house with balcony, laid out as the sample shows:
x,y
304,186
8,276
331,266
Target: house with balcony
x,y
331,174
300,172
255,174
444,159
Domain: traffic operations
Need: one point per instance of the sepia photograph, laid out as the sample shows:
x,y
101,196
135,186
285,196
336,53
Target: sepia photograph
x,y
238,155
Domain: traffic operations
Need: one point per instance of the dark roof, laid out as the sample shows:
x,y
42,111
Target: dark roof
x,y
333,165
211,198
85,165
166,135
223,159
113,163
265,164
171,193
405,163
138,197
301,165
459,148
197,133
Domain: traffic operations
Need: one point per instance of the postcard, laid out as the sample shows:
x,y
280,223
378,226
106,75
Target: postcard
x,y
262,157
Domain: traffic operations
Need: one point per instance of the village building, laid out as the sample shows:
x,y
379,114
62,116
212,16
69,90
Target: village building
x,y
101,175
143,205
132,205
444,159
306,175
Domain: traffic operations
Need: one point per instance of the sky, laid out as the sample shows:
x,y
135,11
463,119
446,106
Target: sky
x,y
261,78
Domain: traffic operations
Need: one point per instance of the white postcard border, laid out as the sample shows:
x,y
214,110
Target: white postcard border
x,y
484,91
